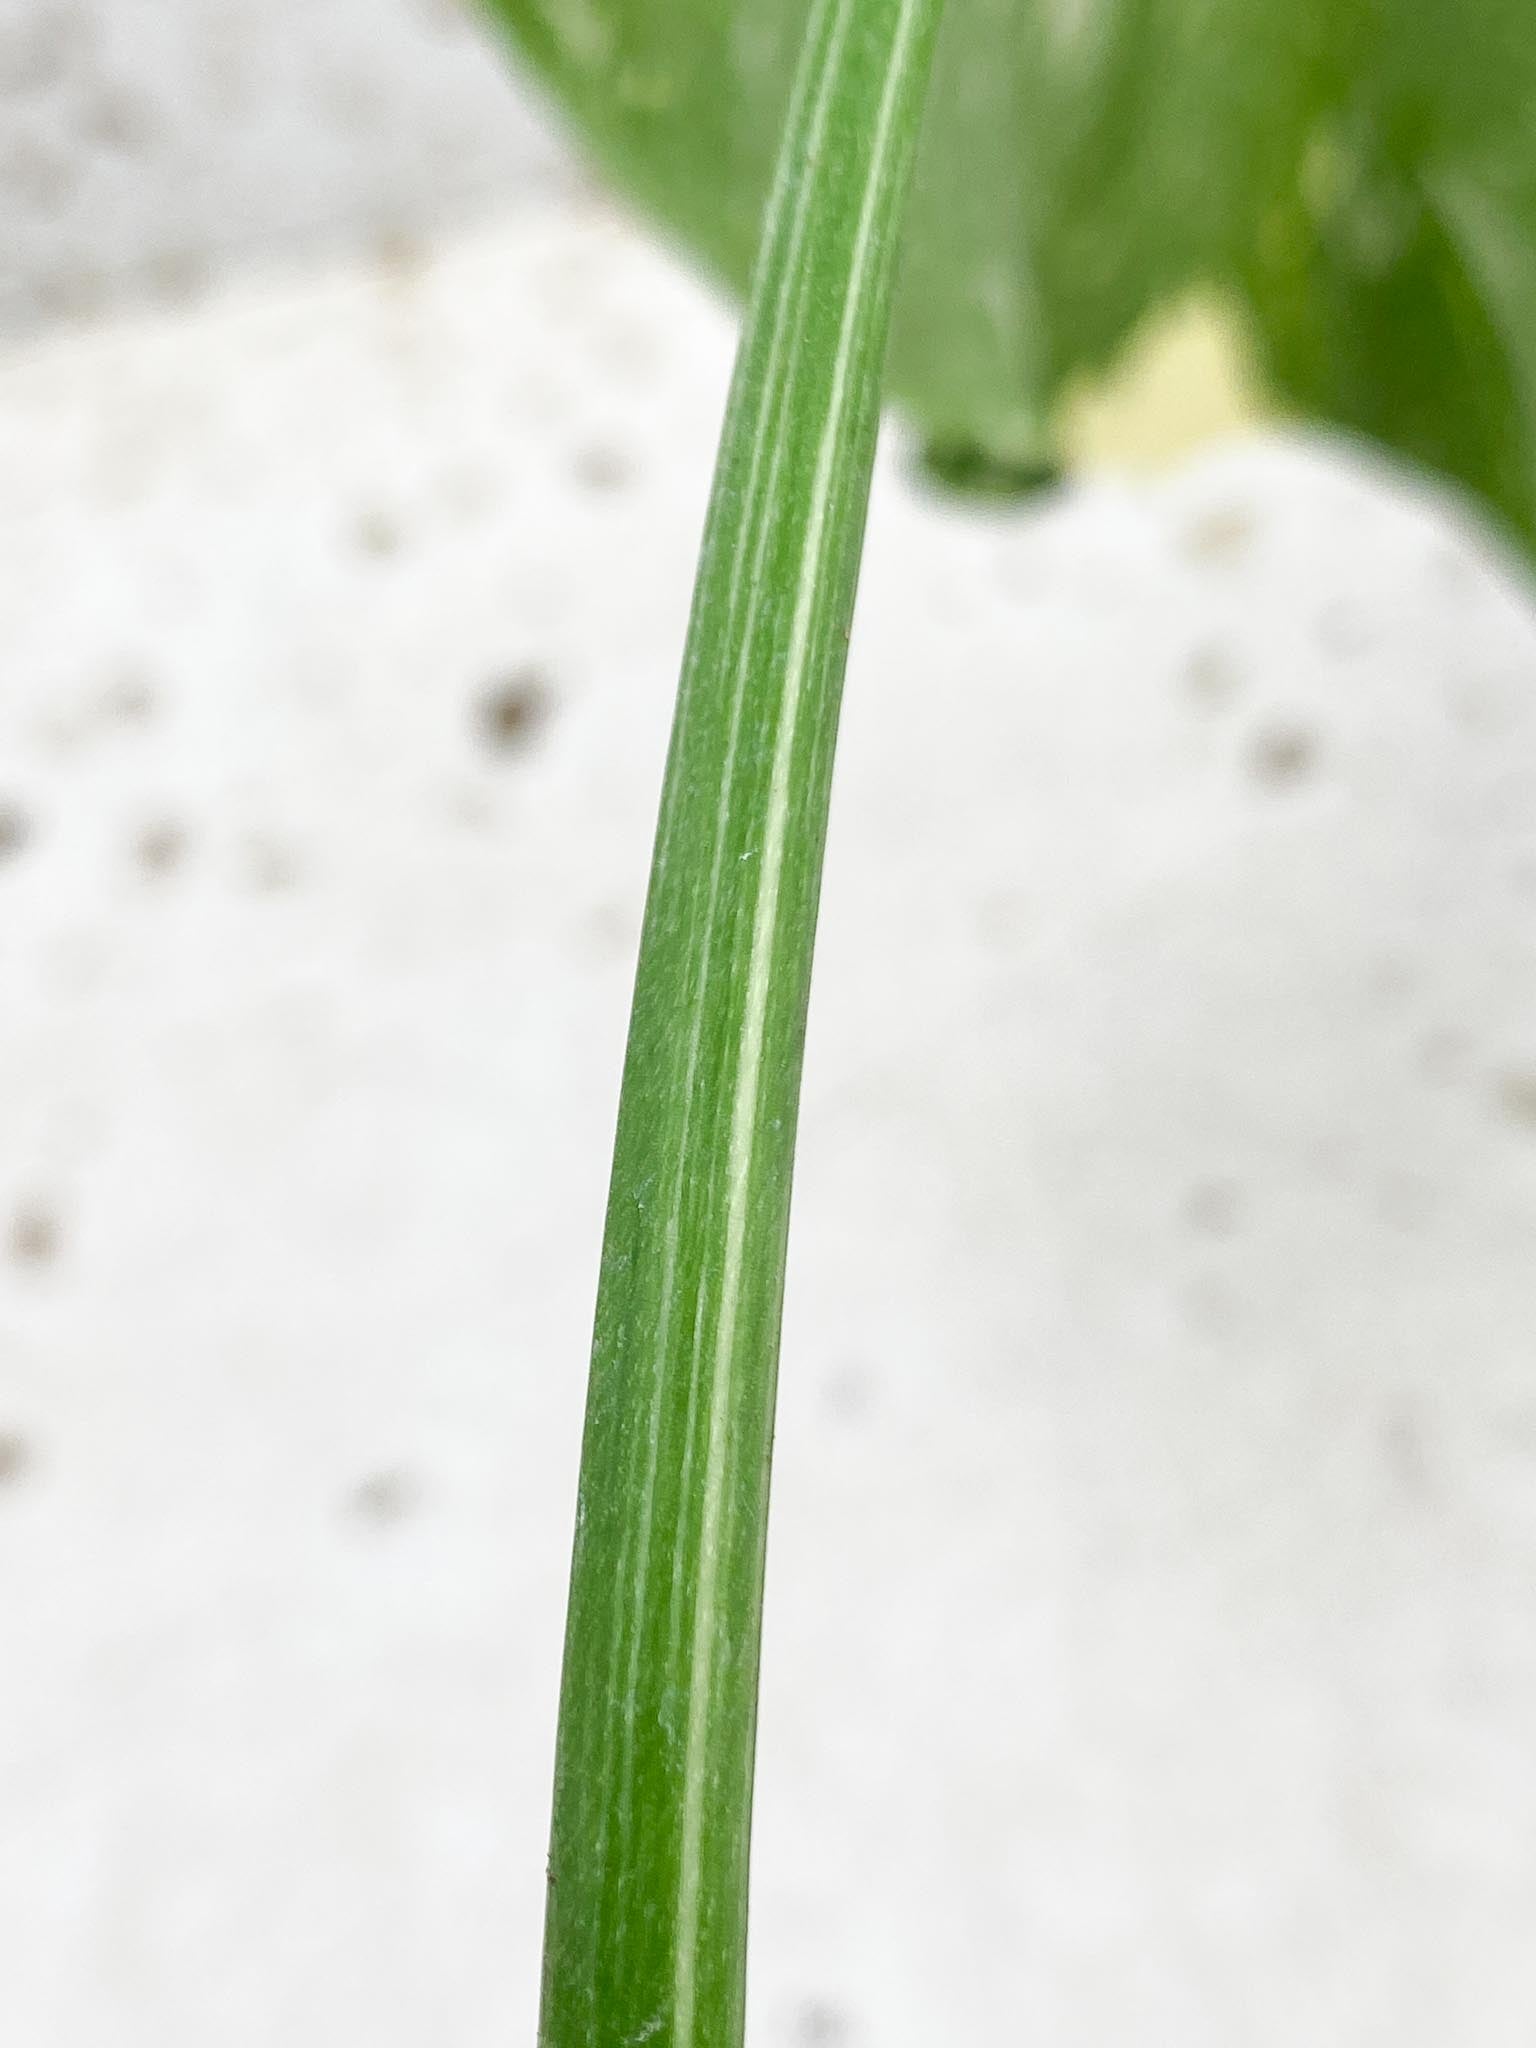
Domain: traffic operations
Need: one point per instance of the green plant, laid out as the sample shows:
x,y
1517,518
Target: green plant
x,y
648,1866
1357,178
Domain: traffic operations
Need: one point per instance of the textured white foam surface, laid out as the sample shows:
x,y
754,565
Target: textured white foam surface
x,y
1151,1652
149,147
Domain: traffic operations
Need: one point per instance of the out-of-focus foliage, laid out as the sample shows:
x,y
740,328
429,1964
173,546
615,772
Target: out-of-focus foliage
x,y
1356,178
1394,283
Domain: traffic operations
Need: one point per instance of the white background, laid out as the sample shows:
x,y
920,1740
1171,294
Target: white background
x,y
149,147
1151,1655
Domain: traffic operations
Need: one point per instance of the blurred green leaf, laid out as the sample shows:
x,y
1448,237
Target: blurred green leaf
x,y
1357,177
1395,282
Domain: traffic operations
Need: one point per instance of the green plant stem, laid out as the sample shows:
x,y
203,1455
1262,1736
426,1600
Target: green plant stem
x,y
646,1931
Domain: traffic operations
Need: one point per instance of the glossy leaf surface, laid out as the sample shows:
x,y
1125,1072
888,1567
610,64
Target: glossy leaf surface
x,y
1356,177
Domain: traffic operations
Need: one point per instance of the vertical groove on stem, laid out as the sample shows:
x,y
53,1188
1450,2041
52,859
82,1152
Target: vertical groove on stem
x,y
646,1932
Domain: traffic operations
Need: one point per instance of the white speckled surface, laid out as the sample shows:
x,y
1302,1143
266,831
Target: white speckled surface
x,y
149,148
1152,1641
